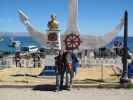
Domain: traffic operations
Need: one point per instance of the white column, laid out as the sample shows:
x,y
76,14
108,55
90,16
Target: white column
x,y
73,13
59,41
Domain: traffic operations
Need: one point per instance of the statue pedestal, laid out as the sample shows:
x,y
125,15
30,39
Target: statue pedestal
x,y
53,39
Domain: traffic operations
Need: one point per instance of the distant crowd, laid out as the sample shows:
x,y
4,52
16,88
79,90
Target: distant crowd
x,y
35,56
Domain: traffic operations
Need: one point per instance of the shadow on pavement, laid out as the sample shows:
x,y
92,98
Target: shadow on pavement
x,y
46,87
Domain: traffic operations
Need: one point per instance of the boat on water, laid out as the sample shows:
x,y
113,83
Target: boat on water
x,y
15,43
29,48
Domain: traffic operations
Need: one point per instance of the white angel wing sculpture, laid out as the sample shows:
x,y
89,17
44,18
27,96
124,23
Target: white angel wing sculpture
x,y
92,42
40,37
87,42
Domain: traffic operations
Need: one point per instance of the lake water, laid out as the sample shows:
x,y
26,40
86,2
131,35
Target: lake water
x,y
27,40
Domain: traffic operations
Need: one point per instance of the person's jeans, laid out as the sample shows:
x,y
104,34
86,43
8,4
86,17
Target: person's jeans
x,y
58,78
62,80
75,66
69,77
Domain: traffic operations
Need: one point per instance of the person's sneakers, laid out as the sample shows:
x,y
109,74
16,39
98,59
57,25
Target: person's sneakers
x,y
68,88
61,87
57,89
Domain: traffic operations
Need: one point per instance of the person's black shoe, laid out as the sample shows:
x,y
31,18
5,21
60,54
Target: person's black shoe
x,y
57,90
61,88
68,88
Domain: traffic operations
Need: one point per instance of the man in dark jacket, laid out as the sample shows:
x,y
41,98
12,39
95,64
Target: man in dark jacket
x,y
17,59
36,60
59,70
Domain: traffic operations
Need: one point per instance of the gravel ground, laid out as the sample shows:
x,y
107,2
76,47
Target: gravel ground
x,y
75,94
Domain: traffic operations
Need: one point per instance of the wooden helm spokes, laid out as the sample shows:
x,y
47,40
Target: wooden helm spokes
x,y
72,41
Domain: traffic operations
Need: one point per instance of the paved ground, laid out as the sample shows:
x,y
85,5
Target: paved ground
x,y
75,94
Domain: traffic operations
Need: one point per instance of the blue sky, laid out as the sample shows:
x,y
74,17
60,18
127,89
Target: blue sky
x,y
95,16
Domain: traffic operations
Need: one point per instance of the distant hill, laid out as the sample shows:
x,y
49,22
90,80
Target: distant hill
x,y
14,34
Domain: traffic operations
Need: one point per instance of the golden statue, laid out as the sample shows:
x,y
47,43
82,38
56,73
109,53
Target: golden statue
x,y
53,24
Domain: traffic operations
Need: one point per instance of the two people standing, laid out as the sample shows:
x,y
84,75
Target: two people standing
x,y
36,59
65,65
